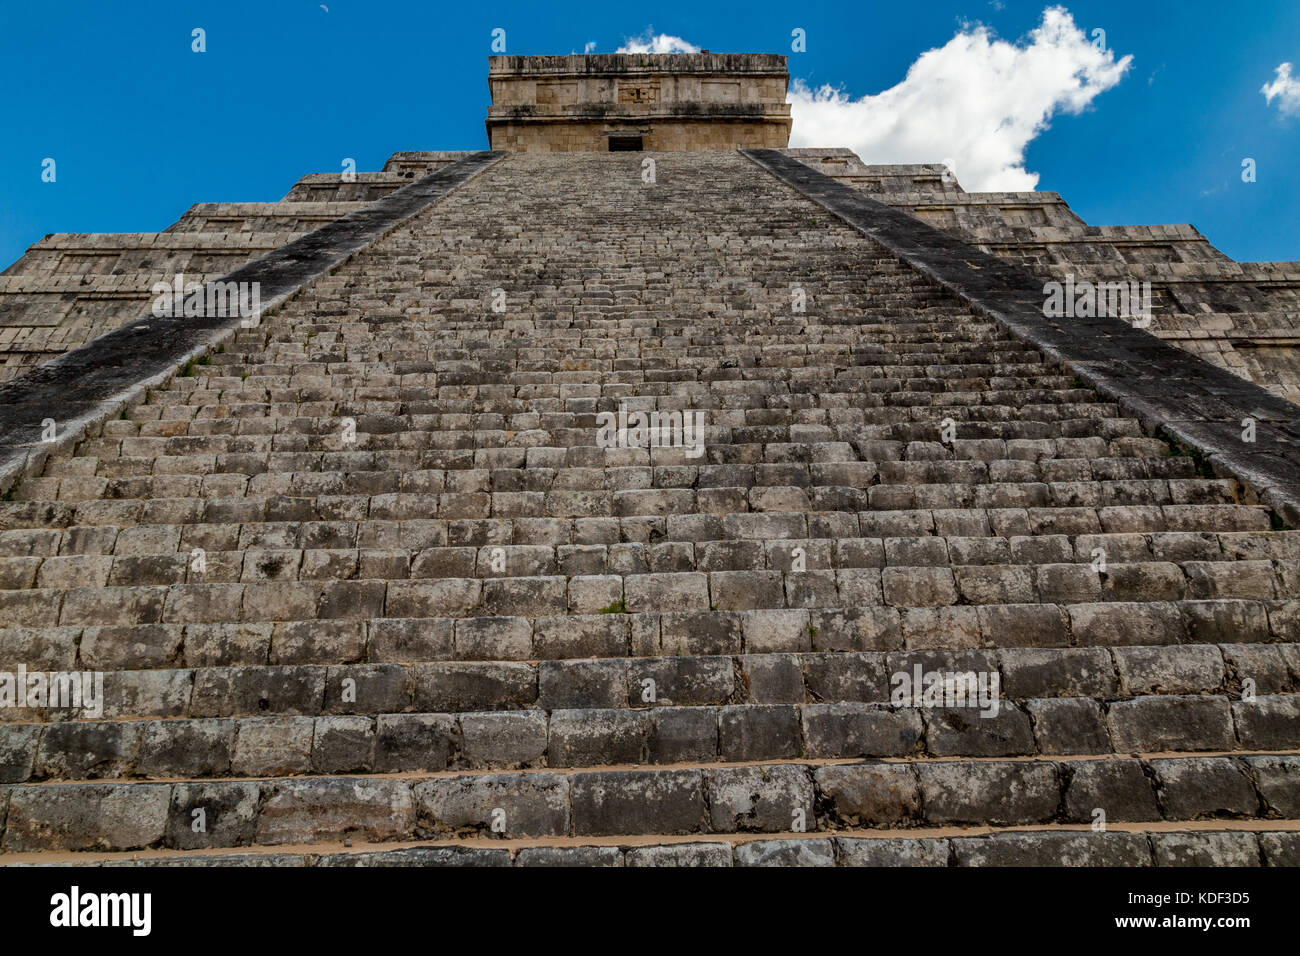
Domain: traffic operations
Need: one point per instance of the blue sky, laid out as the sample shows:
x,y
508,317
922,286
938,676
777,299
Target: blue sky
x,y
140,127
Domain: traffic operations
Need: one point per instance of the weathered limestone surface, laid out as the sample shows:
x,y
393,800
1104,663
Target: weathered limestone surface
x,y
681,101
366,590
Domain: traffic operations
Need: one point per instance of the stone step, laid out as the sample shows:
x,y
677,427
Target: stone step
x,y
1247,625
958,538
795,486
405,517
382,430
250,378
584,734
83,590
773,596
723,800
1052,483
561,517
979,566
716,445
1123,845
310,668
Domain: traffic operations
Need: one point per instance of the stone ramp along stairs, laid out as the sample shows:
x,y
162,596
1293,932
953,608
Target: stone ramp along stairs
x,y
369,583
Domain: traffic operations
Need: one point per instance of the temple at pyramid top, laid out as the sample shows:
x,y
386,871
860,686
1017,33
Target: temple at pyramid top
x,y
615,101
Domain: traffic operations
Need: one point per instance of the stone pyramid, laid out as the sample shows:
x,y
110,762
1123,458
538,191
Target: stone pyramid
x,y
643,492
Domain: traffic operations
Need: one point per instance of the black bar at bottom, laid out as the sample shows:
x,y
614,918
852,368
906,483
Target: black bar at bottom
x,y
656,907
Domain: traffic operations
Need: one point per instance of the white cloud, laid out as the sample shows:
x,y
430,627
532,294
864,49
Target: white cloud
x,y
656,43
589,47
1286,89
977,99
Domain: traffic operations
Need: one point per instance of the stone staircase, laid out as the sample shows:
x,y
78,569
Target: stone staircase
x,y
70,289
365,589
1237,315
